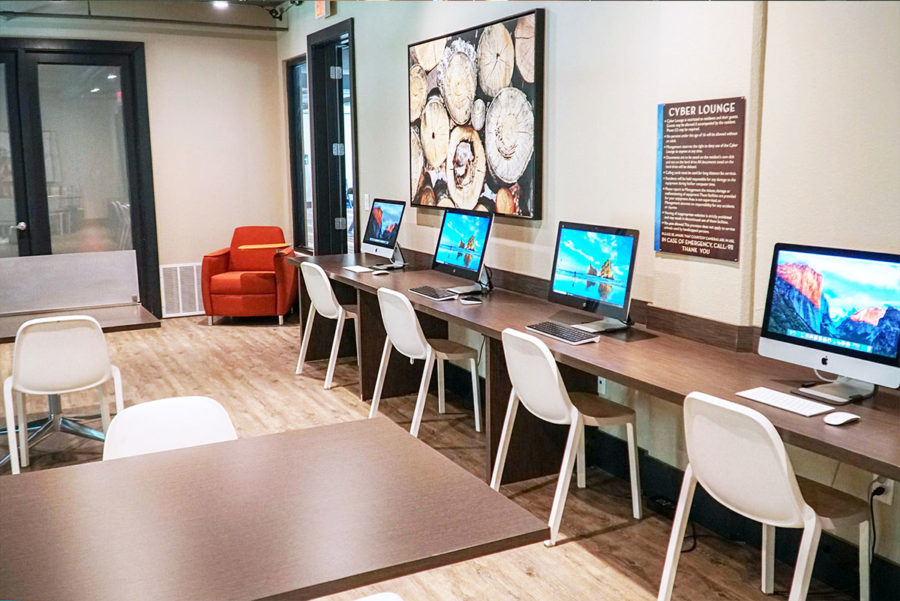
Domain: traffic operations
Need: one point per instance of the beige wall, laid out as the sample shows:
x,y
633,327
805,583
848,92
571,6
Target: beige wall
x,y
829,80
216,123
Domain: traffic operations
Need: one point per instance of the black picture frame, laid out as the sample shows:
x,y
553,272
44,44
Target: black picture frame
x,y
532,186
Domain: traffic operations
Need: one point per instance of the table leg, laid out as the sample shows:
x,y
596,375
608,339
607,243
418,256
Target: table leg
x,y
535,447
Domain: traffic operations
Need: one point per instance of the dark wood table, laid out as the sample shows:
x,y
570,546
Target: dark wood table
x,y
666,366
294,516
112,319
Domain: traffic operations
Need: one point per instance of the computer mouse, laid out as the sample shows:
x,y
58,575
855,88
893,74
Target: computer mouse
x,y
380,272
839,418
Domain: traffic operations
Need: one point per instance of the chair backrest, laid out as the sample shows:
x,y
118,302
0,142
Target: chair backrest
x,y
166,424
321,294
535,377
739,459
55,355
402,324
259,259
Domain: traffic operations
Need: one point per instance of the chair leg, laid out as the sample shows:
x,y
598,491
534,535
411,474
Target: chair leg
x,y
806,558
679,524
576,431
11,426
209,320
24,457
358,353
117,386
423,394
281,320
335,347
473,367
442,408
581,463
382,372
505,434
104,409
634,468
307,332
865,558
768,559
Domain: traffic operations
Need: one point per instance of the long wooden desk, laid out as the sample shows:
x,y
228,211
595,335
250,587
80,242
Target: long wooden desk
x,y
111,319
665,366
295,515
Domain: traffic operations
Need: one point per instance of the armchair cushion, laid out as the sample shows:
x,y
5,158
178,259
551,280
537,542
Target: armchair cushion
x,y
243,282
253,259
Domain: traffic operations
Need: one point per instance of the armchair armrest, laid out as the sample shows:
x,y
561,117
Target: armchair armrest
x,y
285,281
214,263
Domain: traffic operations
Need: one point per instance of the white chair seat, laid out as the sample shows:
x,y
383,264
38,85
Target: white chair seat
x,y
352,311
451,351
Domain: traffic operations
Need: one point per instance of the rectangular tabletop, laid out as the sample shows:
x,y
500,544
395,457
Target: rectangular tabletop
x,y
666,366
115,318
294,515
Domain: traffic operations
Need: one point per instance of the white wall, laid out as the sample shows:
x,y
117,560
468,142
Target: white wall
x,y
829,133
216,129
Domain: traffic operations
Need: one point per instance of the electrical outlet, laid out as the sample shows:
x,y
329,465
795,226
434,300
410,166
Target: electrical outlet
x,y
366,204
601,386
888,497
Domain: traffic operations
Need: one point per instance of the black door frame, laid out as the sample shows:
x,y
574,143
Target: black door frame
x,y
295,146
28,153
9,59
320,46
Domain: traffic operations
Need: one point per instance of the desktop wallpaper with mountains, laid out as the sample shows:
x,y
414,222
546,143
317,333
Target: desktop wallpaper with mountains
x,y
845,300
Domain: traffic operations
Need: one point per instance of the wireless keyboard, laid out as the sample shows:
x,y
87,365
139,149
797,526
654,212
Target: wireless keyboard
x,y
562,332
438,294
785,401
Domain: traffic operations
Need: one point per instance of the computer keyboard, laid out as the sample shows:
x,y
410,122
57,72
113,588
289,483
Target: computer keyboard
x,y
438,294
563,332
788,402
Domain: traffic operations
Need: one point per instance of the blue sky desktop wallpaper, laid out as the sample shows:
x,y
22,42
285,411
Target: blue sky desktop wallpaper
x,y
593,265
839,301
462,240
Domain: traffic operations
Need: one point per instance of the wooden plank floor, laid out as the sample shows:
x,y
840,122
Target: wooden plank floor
x,y
248,366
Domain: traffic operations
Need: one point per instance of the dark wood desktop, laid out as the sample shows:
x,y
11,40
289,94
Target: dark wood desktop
x,y
295,515
663,365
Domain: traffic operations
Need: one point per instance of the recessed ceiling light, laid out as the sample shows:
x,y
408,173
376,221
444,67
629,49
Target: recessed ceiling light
x,y
220,4
94,90
111,76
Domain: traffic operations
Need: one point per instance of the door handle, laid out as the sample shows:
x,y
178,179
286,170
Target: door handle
x,y
21,226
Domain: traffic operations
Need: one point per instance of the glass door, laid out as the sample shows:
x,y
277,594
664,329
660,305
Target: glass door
x,y
12,225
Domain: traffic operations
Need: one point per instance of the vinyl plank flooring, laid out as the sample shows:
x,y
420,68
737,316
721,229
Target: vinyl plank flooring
x,y
248,366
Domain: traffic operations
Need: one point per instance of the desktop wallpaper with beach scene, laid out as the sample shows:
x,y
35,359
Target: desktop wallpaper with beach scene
x,y
462,240
593,265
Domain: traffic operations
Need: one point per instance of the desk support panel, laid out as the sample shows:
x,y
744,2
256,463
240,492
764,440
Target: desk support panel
x,y
323,329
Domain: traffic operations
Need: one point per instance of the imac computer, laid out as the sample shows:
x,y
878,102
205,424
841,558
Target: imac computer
x,y
460,252
380,238
592,270
837,311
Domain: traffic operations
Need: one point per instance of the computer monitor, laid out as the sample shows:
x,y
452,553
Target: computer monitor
x,y
461,244
837,311
592,270
380,237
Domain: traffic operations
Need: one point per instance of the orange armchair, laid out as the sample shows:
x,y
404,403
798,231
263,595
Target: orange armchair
x,y
249,282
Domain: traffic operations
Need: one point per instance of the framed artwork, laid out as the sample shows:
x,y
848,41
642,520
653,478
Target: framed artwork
x,y
476,118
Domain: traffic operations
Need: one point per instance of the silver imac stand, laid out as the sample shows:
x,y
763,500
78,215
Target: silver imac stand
x,y
840,392
481,285
397,261
576,320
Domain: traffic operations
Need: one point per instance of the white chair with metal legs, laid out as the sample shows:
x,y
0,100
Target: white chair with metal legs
x,y
167,424
737,456
325,303
538,384
54,356
405,334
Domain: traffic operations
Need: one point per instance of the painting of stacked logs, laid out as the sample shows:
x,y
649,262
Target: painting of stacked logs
x,y
475,118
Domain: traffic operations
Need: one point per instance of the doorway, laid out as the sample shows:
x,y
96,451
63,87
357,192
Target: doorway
x,y
75,173
332,127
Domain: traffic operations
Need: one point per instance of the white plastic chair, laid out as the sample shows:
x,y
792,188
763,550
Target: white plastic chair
x,y
538,384
166,424
325,303
405,334
54,356
737,456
